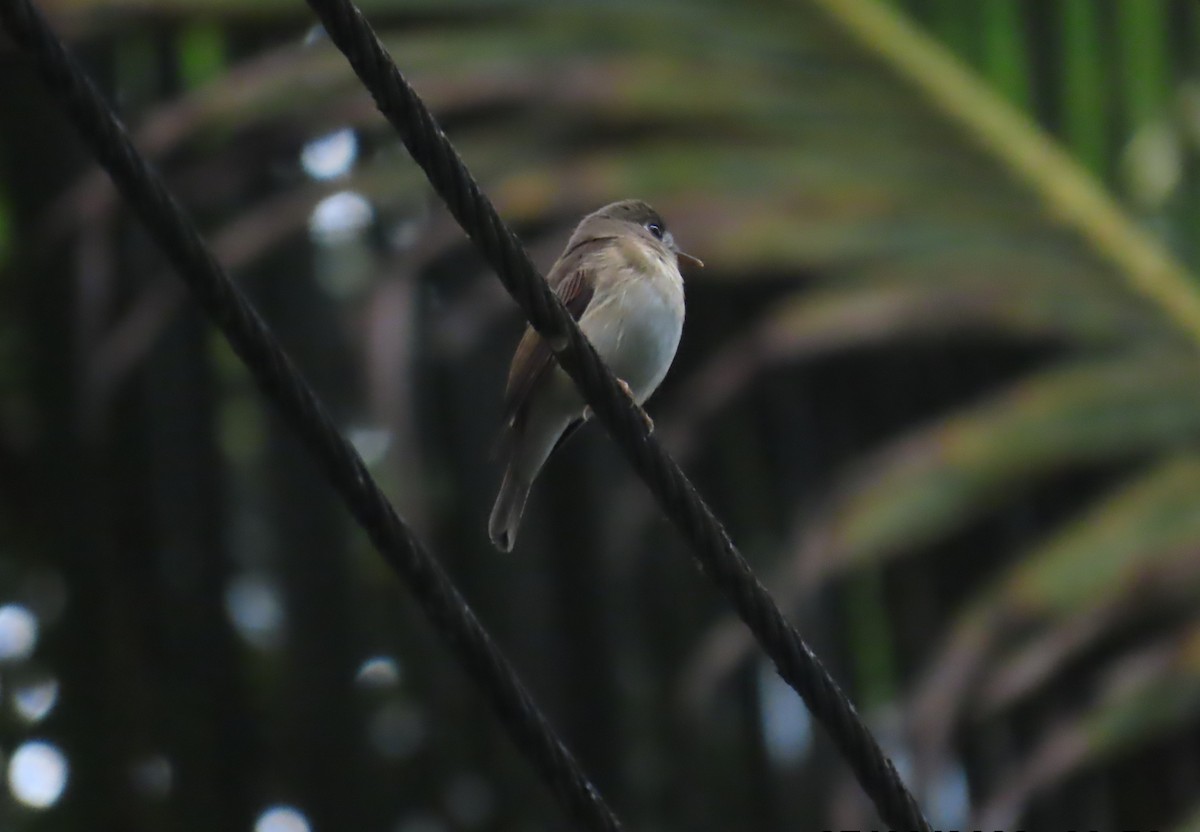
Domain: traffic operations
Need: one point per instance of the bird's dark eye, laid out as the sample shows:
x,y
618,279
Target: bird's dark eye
x,y
655,229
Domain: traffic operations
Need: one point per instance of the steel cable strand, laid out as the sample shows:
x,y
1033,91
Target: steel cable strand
x,y
284,386
718,557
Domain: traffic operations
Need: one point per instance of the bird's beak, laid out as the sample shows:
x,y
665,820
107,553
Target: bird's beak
x,y
684,257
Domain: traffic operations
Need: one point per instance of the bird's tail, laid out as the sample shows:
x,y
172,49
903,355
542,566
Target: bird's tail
x,y
506,514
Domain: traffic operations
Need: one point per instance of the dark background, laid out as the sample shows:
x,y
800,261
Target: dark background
x,y
938,379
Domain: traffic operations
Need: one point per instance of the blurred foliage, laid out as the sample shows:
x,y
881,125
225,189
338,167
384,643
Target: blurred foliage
x,y
939,377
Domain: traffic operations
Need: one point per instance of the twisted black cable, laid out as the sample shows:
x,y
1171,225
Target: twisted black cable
x,y
284,386
677,497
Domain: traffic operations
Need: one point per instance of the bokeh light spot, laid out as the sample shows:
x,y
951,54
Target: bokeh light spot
x,y
787,727
330,156
18,632
379,673
371,443
253,605
340,217
37,774
282,819
35,698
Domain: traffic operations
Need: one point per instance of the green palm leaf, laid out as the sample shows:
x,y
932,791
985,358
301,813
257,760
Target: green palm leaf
x,y
873,190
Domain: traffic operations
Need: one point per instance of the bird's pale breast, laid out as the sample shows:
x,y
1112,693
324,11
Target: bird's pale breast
x,y
637,325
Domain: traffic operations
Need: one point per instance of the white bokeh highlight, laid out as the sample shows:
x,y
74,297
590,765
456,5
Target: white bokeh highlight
x,y
37,774
34,699
371,443
331,156
379,673
18,632
786,725
282,819
340,218
256,610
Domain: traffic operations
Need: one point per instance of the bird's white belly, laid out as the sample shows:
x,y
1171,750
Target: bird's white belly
x,y
638,333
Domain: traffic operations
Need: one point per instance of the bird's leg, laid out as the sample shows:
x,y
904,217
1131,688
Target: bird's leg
x,y
645,416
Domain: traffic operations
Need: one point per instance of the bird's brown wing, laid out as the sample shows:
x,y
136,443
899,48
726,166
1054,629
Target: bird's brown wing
x,y
533,357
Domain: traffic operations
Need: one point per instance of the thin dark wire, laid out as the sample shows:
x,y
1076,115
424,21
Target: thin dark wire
x,y
677,497
283,385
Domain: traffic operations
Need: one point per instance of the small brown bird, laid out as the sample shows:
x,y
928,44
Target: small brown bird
x,y
619,277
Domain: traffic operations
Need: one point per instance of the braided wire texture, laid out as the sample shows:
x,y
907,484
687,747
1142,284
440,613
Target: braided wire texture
x,y
677,497
282,383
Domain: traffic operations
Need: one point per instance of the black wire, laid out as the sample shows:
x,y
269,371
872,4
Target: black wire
x,y
678,499
283,385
